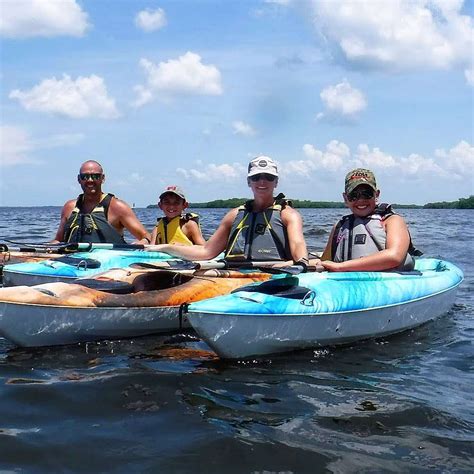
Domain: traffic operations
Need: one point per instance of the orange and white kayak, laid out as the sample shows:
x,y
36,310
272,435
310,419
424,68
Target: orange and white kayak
x,y
120,303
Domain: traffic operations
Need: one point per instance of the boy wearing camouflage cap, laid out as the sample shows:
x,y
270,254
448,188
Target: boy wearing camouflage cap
x,y
373,237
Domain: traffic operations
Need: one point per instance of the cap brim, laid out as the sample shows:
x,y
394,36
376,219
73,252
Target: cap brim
x,y
254,172
172,192
354,185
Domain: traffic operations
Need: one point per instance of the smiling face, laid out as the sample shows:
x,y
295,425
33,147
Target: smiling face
x,y
91,176
362,200
172,205
262,184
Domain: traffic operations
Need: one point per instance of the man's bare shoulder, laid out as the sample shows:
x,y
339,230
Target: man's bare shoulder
x,y
118,204
69,206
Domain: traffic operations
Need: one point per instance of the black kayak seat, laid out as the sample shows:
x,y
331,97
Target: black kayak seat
x,y
109,286
283,288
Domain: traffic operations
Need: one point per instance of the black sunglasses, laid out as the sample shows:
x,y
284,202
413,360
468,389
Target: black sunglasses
x,y
265,176
364,194
93,176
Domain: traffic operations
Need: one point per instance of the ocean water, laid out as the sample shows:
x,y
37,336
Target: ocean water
x,y
167,404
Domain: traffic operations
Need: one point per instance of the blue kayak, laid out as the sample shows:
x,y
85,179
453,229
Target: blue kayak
x,y
77,265
317,309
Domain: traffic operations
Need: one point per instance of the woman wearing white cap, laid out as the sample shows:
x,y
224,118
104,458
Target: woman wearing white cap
x,y
265,228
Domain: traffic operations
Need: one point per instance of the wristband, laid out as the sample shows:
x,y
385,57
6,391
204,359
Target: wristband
x,y
304,262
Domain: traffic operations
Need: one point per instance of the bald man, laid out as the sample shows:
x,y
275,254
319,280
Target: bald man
x,y
96,216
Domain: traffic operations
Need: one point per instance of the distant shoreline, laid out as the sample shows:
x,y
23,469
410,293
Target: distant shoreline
x,y
462,203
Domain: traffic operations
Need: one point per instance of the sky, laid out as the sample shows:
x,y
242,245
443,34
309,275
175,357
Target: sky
x,y
186,92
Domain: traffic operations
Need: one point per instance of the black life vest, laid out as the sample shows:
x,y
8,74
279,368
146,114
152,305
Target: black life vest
x,y
259,235
355,237
92,227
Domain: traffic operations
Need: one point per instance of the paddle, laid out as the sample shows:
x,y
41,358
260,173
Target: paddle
x,y
264,266
175,265
67,247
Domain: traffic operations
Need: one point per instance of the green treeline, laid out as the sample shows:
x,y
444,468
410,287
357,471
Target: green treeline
x,y
463,203
234,202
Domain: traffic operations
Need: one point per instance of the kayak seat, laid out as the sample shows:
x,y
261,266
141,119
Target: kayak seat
x,y
112,286
160,280
152,281
287,289
79,262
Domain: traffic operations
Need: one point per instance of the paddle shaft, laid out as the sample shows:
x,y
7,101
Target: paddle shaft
x,y
67,247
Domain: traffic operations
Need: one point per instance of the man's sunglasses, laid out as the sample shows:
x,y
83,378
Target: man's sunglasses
x,y
93,176
363,194
265,176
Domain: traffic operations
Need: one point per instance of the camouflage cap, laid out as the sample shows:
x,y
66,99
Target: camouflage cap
x,y
360,176
173,190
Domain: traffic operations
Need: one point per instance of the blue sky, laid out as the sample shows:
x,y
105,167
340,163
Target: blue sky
x,y
187,92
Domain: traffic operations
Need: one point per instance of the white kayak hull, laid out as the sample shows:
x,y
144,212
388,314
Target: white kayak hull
x,y
314,310
120,303
242,336
36,325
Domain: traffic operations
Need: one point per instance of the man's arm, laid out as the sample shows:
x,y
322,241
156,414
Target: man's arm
x,y
294,228
121,217
65,213
211,249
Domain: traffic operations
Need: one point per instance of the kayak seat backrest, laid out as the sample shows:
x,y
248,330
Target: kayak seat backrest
x,y
79,262
284,288
109,286
150,281
159,280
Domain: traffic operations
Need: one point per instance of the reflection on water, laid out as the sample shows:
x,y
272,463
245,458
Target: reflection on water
x,y
167,404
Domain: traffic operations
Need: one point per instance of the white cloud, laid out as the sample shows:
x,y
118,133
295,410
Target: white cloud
x,y
456,163
15,144
85,97
242,128
211,172
459,159
397,34
185,75
342,100
30,18
151,20
332,159
374,158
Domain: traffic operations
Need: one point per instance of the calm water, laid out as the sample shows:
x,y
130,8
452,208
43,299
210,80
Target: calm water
x,y
166,404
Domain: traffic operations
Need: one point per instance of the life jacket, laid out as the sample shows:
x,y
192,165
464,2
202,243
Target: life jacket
x,y
93,227
259,235
170,232
355,237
